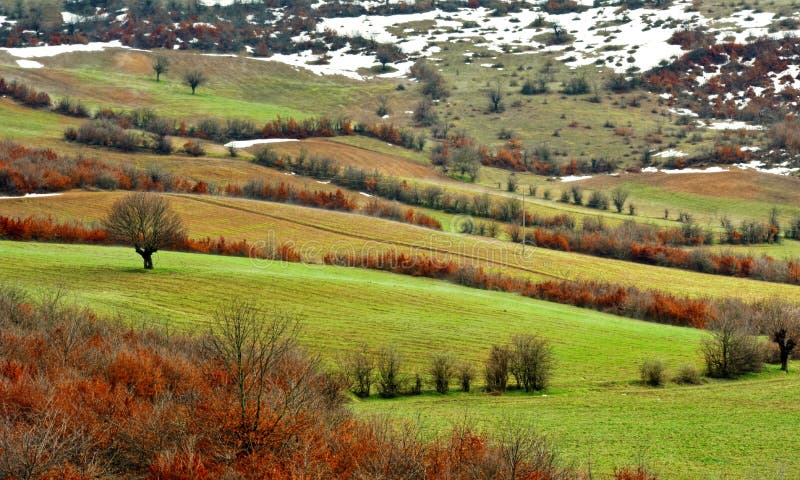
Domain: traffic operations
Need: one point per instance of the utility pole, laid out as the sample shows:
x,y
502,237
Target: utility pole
x,y
523,221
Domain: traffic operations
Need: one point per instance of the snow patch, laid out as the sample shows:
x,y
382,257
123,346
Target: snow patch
x,y
759,166
33,195
53,50
575,178
29,64
670,153
730,125
250,143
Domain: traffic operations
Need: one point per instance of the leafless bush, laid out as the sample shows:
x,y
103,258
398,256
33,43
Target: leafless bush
x,y
441,372
497,369
389,365
688,375
731,350
466,373
359,368
653,372
531,362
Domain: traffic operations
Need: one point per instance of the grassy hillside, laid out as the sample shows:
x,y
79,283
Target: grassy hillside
x,y
237,87
340,308
316,232
594,410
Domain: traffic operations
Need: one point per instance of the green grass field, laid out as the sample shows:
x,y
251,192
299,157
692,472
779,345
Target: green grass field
x,y
594,410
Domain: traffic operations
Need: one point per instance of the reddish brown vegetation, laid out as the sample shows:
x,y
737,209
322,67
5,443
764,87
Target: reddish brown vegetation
x,y
314,127
738,68
24,94
97,401
619,300
31,228
45,229
24,170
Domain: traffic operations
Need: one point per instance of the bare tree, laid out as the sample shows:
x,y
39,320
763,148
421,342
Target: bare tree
x,y
359,367
497,368
619,196
390,379
495,95
194,79
531,362
146,222
441,371
466,160
160,66
731,350
256,346
781,323
466,373
387,53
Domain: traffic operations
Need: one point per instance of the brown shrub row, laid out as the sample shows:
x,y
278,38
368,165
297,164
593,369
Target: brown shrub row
x,y
618,300
24,94
24,170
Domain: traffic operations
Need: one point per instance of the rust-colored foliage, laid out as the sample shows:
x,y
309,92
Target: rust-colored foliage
x,y
140,404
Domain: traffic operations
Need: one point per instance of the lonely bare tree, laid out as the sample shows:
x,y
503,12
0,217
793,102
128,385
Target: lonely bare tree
x,y
146,222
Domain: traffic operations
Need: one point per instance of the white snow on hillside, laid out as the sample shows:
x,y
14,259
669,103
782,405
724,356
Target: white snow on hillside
x,y
53,50
250,143
29,64
603,36
32,195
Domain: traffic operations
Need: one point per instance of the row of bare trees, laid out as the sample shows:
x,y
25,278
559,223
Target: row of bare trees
x,y
734,347
527,358
742,338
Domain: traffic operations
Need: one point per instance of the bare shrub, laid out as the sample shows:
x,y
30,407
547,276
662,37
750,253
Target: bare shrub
x,y
466,373
653,372
390,380
360,368
441,372
531,362
497,369
688,375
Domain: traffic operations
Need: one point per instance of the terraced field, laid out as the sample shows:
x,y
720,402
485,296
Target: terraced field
x,y
316,232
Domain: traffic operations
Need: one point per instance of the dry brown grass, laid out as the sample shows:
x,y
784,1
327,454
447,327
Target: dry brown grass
x,y
357,157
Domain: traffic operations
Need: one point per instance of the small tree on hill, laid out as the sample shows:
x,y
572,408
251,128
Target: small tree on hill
x,y
146,222
619,196
782,324
160,66
387,53
360,366
497,368
441,371
531,362
194,79
496,98
389,364
731,350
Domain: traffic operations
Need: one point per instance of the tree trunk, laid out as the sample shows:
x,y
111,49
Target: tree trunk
x,y
784,359
147,256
